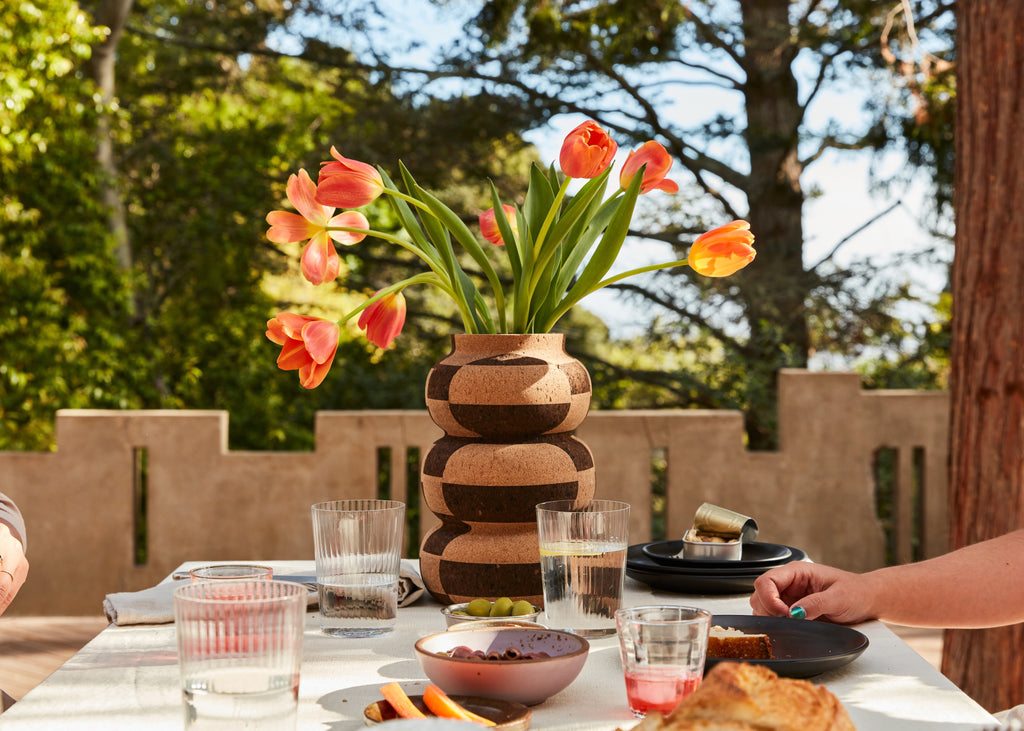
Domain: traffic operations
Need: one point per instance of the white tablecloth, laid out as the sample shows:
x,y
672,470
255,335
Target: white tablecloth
x,y
127,678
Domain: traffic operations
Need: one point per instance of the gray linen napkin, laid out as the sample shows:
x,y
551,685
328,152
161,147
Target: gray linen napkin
x,y
156,604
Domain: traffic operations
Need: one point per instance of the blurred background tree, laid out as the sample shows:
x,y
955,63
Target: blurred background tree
x,y
213,105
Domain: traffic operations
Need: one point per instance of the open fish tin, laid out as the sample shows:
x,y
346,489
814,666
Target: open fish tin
x,y
732,530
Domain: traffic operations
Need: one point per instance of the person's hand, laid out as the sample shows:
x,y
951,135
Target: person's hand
x,y
823,592
13,567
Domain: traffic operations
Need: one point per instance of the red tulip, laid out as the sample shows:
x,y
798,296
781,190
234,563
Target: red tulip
x,y
348,183
658,162
489,225
383,320
320,261
308,344
587,151
722,251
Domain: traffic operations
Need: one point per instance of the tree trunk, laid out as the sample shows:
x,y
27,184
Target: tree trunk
x,y
987,382
112,14
776,294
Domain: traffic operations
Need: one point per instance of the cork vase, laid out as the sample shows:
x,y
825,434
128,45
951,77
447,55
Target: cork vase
x,y
508,405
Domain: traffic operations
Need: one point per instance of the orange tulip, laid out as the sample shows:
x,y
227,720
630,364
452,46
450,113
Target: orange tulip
x,y
348,183
308,344
489,225
383,320
658,162
587,151
723,250
320,261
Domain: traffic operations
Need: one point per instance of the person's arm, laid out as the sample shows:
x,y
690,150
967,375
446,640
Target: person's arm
x,y
13,565
981,585
10,515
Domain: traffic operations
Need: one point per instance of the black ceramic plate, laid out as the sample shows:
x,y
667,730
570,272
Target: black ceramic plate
x,y
638,560
507,716
658,578
755,555
802,648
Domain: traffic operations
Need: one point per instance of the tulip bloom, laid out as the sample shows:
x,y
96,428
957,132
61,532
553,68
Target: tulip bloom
x,y
383,320
308,344
489,225
723,250
320,260
587,151
658,162
348,183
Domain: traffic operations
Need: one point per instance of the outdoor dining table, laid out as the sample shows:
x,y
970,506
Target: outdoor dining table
x,y
127,678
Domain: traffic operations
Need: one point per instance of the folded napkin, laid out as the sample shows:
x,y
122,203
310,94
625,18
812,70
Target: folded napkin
x,y
410,583
156,604
149,606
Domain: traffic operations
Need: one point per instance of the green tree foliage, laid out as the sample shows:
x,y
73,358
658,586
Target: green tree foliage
x,y
64,300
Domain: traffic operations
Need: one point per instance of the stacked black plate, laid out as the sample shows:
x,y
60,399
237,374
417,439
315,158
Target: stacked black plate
x,y
658,565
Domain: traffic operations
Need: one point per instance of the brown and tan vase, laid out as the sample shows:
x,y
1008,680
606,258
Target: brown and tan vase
x,y
508,405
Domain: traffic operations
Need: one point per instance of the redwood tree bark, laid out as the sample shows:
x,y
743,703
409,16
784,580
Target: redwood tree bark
x,y
987,383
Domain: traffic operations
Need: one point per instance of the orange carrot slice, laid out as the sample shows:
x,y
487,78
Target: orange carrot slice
x,y
403,706
441,705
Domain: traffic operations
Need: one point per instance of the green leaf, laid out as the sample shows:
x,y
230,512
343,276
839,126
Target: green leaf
x,y
604,255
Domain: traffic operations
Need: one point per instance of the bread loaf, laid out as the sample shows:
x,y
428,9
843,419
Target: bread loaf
x,y
743,697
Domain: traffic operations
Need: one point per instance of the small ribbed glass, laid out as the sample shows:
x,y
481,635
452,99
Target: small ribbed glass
x,y
232,572
358,547
240,650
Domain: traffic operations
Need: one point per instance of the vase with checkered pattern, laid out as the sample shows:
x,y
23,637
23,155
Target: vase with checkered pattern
x,y
508,405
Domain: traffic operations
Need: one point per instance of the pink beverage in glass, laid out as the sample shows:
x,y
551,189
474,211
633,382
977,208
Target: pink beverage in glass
x,y
658,688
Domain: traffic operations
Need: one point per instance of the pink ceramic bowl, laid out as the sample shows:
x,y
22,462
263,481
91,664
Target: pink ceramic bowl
x,y
527,681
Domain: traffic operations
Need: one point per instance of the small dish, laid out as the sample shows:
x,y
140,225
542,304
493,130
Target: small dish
x,y
701,550
507,716
525,680
451,619
753,555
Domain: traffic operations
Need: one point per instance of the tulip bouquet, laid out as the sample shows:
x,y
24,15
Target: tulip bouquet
x,y
559,248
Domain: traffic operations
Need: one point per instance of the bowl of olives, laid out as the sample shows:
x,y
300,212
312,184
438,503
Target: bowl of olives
x,y
501,611
526,664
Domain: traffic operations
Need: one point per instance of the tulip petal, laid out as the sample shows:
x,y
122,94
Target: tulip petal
x,y
286,227
321,339
302,194
349,219
320,261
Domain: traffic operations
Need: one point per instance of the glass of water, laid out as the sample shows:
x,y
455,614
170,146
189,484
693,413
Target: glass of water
x,y
240,649
358,547
583,563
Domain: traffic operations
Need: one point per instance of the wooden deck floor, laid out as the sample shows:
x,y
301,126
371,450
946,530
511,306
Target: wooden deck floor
x,y
33,647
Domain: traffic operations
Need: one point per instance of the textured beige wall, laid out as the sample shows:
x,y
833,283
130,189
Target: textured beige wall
x,y
209,503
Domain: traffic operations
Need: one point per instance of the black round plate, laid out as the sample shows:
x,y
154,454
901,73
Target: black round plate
x,y
755,555
802,648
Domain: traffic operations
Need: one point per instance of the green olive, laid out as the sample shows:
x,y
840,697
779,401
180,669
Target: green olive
x,y
522,607
502,607
479,608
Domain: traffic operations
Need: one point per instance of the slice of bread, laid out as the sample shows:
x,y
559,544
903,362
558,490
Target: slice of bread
x,y
737,645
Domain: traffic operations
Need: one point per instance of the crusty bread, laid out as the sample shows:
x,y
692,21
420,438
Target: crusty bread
x,y
743,697
735,644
